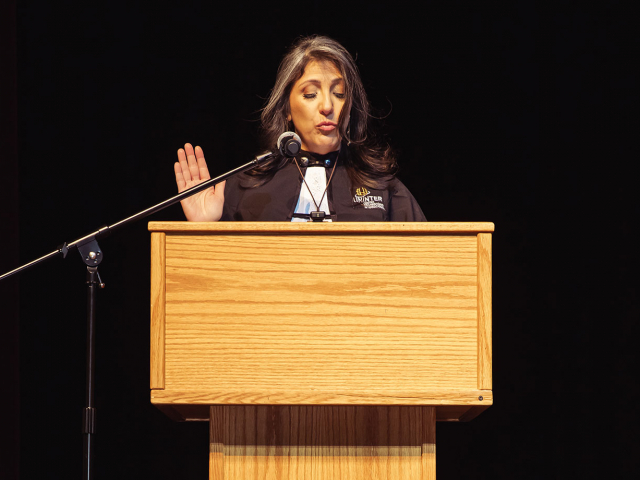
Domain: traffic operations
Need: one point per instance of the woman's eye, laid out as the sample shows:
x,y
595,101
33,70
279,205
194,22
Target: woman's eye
x,y
340,95
309,95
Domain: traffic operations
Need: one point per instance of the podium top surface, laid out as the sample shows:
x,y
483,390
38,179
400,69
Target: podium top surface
x,y
324,227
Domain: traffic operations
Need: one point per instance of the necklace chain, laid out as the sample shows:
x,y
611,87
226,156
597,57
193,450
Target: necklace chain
x,y
325,188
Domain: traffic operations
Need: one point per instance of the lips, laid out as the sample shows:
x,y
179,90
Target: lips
x,y
326,126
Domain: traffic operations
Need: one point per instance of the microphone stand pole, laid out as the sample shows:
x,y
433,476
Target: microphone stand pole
x,y
92,256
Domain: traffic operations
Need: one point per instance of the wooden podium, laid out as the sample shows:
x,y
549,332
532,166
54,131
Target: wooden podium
x,y
321,351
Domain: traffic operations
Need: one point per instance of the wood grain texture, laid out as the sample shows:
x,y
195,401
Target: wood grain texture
x,y
322,442
379,314
280,228
183,412
276,396
428,442
216,442
158,302
485,377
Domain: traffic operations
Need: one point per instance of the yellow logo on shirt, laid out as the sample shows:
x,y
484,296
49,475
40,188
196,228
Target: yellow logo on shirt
x,y
364,198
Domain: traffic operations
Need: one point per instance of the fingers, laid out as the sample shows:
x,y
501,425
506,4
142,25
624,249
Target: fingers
x,y
180,181
203,171
188,163
192,161
191,167
184,166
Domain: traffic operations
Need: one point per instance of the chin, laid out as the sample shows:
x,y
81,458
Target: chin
x,y
331,145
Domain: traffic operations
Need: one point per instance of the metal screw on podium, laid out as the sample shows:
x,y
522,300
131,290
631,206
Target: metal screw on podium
x,y
480,398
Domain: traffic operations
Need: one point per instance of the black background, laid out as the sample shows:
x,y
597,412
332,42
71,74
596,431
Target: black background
x,y
519,113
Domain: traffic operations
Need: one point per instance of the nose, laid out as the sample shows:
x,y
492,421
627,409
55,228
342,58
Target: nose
x,y
326,105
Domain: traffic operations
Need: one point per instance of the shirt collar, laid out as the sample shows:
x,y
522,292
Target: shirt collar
x,y
312,159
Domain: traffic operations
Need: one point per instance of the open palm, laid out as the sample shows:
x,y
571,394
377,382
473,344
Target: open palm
x,y
191,169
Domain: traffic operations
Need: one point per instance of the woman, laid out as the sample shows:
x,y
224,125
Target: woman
x,y
341,174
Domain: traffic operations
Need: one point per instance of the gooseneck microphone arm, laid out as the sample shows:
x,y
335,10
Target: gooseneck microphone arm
x,y
106,230
193,190
92,256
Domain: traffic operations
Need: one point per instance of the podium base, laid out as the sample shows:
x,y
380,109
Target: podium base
x,y
322,442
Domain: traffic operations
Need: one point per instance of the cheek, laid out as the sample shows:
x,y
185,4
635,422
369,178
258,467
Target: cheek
x,y
294,109
300,114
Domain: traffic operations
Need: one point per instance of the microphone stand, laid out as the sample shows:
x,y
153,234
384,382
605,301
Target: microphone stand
x,y
92,256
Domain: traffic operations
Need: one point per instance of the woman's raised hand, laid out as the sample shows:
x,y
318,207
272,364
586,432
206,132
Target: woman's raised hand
x,y
191,169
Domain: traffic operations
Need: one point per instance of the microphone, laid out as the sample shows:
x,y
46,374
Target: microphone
x,y
289,144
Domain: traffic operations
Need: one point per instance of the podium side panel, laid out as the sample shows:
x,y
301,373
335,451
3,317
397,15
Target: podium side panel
x,y
484,312
158,302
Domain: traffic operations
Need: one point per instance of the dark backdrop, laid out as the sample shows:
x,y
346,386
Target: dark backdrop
x,y
519,113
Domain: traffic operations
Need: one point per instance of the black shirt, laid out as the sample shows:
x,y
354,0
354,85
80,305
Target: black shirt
x,y
276,199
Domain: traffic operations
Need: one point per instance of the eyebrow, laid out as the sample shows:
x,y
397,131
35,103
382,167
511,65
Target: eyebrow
x,y
318,82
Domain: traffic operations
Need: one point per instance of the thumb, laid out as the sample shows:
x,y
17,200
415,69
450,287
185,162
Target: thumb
x,y
219,189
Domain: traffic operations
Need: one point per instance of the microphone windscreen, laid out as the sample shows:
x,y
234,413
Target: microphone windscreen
x,y
289,144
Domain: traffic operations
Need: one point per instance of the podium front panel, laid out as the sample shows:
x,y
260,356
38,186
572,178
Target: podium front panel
x,y
363,316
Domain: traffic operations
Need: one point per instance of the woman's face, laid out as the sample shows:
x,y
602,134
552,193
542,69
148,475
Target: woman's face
x,y
316,101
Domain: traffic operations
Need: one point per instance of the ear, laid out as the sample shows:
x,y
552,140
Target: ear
x,y
288,118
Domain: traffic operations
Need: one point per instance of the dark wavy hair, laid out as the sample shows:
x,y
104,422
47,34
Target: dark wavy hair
x,y
369,162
